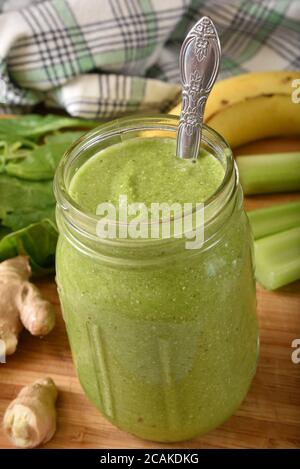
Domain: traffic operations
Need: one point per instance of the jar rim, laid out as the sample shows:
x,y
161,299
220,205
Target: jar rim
x,y
140,122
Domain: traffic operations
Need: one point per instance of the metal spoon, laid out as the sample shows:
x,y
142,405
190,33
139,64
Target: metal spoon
x,y
199,65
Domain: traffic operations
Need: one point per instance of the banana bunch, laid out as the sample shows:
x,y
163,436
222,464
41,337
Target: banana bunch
x,y
252,106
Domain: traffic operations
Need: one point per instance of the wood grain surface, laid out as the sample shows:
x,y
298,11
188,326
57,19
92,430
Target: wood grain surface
x,y
268,418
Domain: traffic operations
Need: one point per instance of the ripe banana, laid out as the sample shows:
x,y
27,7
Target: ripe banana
x,y
252,106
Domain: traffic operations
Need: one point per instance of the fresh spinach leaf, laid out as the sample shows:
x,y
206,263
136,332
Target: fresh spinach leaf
x,y
64,137
38,241
14,152
24,202
34,125
30,149
38,164
4,231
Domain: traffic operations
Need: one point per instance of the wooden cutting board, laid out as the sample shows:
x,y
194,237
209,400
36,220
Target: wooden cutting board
x,y
268,418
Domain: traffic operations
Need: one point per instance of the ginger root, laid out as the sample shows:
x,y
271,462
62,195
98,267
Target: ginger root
x,y
21,304
30,419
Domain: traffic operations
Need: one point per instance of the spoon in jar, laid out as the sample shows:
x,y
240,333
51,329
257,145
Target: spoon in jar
x,y
199,65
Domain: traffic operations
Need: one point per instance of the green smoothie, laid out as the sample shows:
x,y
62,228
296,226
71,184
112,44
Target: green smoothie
x,y
145,170
165,350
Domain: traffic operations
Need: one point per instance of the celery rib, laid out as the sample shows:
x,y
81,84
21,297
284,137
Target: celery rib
x,y
277,172
277,259
270,220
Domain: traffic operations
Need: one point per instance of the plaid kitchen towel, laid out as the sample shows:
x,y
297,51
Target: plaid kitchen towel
x,y
99,58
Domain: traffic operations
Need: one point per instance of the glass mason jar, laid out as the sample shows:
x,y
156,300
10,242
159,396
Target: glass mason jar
x,y
164,339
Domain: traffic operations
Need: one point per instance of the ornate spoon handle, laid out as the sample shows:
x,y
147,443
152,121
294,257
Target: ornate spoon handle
x,y
199,65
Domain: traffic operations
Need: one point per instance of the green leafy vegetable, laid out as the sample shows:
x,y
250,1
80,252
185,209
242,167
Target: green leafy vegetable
x,y
34,125
39,164
64,137
30,148
38,241
4,231
12,150
27,160
27,222
24,202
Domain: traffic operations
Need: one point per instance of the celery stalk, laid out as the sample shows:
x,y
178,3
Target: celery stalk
x,y
277,172
277,259
270,220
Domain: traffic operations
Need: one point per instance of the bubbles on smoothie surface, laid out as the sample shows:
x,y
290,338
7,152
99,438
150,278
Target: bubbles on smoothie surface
x,y
146,171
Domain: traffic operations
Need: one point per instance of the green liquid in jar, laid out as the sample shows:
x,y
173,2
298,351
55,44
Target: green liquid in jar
x,y
166,352
145,170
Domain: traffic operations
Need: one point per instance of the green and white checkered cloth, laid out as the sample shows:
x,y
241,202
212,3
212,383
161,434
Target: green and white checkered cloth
x,y
99,58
